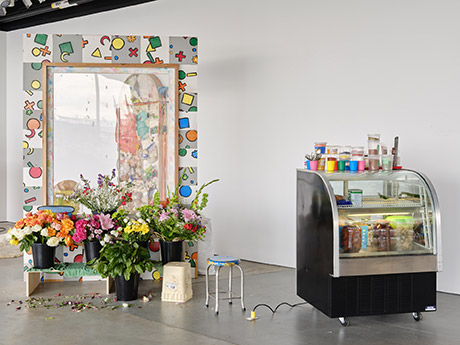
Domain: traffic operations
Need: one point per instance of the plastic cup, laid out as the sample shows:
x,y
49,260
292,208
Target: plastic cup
x,y
387,163
313,165
357,151
361,165
307,164
330,165
353,165
373,163
341,165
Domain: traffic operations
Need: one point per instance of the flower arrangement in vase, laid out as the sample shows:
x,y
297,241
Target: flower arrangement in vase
x,y
124,256
172,221
93,231
43,231
106,197
43,227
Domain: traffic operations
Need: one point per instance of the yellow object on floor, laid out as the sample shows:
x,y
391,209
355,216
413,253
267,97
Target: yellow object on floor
x,y
177,282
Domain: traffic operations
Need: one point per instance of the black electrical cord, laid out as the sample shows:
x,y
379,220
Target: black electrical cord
x,y
276,308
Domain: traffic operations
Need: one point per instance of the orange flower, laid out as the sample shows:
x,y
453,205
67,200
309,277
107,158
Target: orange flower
x,y
68,241
51,232
29,214
67,225
19,224
59,234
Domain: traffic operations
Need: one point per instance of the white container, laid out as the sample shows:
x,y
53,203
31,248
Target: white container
x,y
356,197
177,282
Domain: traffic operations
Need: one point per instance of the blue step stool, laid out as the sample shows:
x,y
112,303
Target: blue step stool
x,y
218,262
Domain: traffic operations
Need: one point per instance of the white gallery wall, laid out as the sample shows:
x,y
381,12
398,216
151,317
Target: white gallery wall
x,y
2,126
275,76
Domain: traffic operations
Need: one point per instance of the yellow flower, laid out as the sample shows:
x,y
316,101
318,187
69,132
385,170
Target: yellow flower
x,y
144,228
14,241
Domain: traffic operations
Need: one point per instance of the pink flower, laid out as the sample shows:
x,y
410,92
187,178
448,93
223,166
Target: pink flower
x,y
79,235
189,215
95,224
106,222
164,216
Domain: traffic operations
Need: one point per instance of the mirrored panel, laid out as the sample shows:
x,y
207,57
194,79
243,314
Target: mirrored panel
x,y
104,116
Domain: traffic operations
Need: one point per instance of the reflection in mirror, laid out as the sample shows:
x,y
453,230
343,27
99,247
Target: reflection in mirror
x,y
100,117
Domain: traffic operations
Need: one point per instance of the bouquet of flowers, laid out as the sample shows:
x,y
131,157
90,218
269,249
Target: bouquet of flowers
x,y
107,197
42,227
129,229
94,228
174,221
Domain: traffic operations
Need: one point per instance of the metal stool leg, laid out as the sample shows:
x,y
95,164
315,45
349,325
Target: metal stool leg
x,y
242,288
230,293
207,286
217,289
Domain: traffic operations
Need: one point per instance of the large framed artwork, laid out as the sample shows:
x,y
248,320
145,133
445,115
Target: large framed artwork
x,y
100,117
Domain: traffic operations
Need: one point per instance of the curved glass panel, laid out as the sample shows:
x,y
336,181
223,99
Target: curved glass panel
x,y
384,214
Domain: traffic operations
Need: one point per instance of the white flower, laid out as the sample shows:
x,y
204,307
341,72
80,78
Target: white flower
x,y
114,233
44,232
9,236
36,228
126,220
138,214
53,241
19,234
107,238
102,243
27,230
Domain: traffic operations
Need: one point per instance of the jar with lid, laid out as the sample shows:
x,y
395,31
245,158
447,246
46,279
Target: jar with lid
x,y
381,234
350,238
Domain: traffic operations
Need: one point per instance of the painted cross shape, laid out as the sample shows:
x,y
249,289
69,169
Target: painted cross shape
x,y
45,51
180,56
133,52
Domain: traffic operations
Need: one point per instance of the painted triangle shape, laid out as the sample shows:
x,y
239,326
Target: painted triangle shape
x,y
96,53
150,48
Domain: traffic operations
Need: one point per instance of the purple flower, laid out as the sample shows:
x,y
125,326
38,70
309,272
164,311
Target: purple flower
x,y
164,216
189,215
106,222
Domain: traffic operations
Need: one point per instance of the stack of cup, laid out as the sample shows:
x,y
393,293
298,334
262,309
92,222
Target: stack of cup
x,y
331,158
357,162
373,143
344,158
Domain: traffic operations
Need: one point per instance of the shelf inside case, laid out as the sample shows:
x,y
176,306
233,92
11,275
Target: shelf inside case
x,y
376,202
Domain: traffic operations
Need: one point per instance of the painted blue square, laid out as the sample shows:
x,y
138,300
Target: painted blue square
x,y
184,123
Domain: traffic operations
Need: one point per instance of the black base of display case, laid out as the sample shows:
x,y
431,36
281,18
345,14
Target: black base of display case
x,y
372,294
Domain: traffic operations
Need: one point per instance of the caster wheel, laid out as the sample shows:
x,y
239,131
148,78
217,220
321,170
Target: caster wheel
x,y
243,309
417,316
207,305
344,321
230,302
217,313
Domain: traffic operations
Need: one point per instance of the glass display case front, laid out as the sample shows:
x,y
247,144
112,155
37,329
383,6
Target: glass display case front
x,y
384,214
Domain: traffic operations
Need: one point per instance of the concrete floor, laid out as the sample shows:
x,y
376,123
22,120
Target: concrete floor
x,y
192,323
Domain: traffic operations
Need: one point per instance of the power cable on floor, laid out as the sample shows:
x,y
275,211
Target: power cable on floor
x,y
253,312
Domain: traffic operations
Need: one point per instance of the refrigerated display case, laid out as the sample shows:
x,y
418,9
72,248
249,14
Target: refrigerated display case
x,y
368,243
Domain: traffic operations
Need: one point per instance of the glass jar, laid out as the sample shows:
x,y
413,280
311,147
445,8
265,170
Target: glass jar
x,y
381,234
350,238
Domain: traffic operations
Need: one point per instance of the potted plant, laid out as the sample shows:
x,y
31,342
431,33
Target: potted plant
x,y
93,231
124,257
173,222
43,231
106,198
